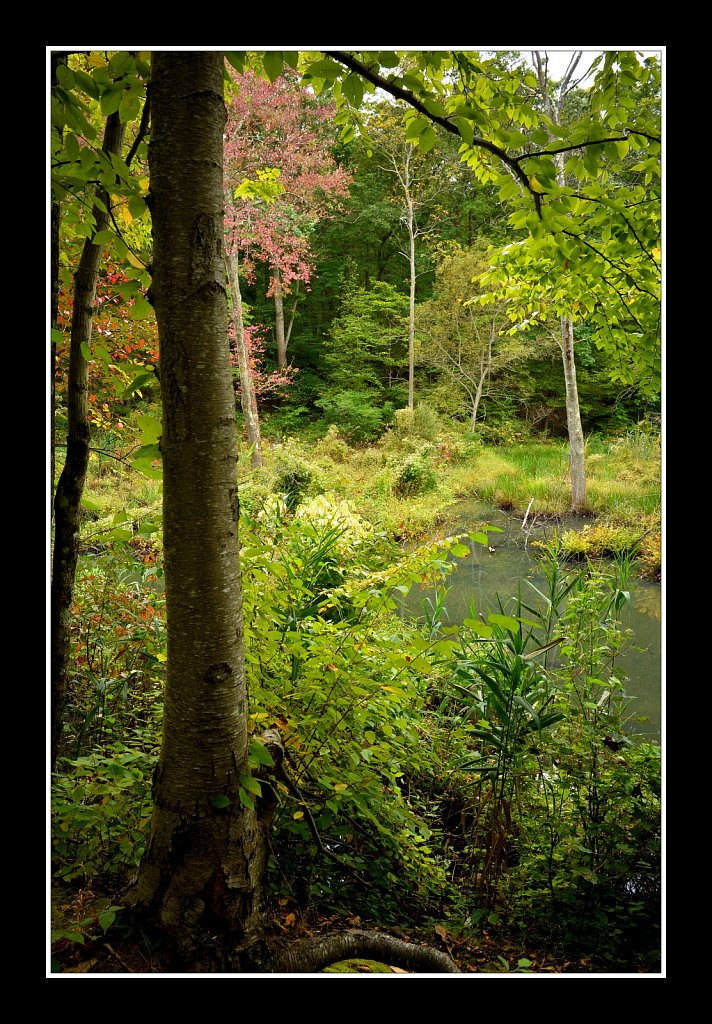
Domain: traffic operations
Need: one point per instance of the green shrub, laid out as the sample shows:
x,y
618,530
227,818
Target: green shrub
x,y
333,446
295,477
357,418
421,421
415,476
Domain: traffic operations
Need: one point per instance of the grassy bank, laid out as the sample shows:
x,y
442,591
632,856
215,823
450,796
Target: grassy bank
x,y
406,482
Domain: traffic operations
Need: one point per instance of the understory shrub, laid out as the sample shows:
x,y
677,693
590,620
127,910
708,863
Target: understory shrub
x,y
415,475
357,418
295,477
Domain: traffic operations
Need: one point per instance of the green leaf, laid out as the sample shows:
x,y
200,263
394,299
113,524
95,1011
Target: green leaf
x,y
246,800
120,64
273,64
88,84
325,68
110,100
90,505
465,129
460,550
137,206
151,429
143,460
107,918
353,90
85,350
220,801
140,309
70,936
103,238
137,382
259,754
251,784
427,140
129,106
540,136
479,537
480,628
388,59
121,535
505,621
291,57
236,58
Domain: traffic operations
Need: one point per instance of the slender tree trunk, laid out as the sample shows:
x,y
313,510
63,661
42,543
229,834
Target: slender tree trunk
x,y
203,870
410,220
67,500
279,318
577,463
573,419
248,398
292,315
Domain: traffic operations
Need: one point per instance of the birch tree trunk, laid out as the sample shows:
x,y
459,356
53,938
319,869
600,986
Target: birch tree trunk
x,y
411,308
577,464
573,419
248,398
485,368
70,487
203,870
279,318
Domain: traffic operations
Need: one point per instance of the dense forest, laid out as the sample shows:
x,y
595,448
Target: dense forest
x,y
307,309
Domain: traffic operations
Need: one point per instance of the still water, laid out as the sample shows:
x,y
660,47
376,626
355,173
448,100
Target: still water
x,y
484,575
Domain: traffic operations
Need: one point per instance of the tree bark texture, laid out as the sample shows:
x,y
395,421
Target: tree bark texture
x,y
70,487
314,954
203,869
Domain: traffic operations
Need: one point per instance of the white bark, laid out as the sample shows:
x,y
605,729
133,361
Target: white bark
x,y
573,413
248,398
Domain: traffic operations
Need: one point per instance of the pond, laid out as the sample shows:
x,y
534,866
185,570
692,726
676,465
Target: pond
x,y
487,574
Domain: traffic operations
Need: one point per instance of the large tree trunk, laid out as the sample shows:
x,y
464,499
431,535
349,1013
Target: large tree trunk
x,y
203,870
279,318
70,487
248,398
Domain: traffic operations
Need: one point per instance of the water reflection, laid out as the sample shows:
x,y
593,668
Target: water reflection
x,y
488,575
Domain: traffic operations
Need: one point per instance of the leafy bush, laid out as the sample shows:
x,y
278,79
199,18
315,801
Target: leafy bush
x,y
415,476
333,446
295,477
421,421
357,418
326,663
101,809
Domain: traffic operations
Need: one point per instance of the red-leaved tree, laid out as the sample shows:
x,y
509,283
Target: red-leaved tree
x,y
280,126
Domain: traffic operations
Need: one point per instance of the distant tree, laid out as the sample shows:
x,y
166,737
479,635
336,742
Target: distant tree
x,y
418,181
465,341
279,126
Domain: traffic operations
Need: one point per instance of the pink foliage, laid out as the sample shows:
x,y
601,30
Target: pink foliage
x,y
264,383
280,124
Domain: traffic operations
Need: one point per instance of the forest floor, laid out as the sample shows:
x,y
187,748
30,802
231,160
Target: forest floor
x,y
487,954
